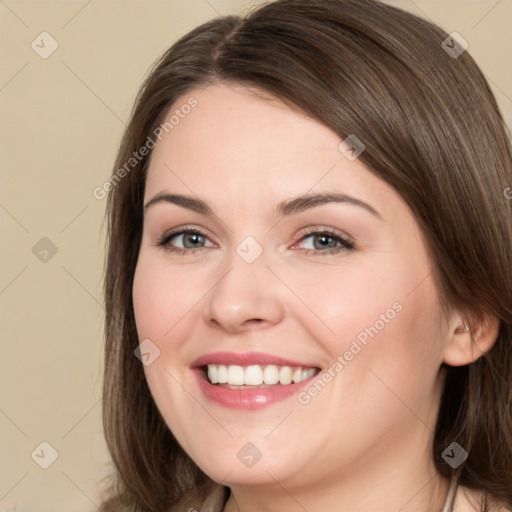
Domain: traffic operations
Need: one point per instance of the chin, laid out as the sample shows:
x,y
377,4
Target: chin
x,y
242,463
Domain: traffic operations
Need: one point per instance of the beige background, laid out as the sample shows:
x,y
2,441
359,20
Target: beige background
x,y
61,121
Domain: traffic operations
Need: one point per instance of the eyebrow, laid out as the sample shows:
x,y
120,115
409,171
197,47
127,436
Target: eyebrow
x,y
290,206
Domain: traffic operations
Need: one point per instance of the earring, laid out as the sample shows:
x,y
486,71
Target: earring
x,y
466,326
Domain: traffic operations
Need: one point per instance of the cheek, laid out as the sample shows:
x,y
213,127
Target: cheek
x,y
383,317
161,301
160,298
351,303
147,304
384,354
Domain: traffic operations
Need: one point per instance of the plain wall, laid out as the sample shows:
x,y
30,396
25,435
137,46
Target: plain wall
x,y
61,119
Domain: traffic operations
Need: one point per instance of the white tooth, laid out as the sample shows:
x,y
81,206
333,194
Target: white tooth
x,y
256,375
310,372
297,375
253,375
271,374
213,373
235,375
285,375
222,374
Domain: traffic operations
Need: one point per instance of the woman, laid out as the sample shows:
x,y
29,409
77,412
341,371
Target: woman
x,y
310,253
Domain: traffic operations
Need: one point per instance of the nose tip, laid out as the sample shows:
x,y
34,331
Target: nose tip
x,y
247,297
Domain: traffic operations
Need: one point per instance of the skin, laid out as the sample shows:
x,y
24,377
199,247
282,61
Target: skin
x,y
368,433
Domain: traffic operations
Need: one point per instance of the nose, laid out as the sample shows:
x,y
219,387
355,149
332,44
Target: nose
x,y
246,296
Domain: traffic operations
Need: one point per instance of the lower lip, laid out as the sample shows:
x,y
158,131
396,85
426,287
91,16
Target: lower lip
x,y
247,399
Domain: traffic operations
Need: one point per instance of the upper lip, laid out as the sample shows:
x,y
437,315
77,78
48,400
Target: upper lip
x,y
246,359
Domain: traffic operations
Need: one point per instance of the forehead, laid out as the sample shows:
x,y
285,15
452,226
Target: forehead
x,y
230,120
252,149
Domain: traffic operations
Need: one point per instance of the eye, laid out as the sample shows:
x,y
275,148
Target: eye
x,y
315,242
189,238
324,242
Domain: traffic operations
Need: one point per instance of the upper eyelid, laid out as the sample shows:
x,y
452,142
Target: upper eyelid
x,y
303,233
184,230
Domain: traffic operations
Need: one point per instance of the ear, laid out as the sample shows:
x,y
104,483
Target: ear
x,y
469,338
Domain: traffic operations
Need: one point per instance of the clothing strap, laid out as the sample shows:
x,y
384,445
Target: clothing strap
x,y
452,491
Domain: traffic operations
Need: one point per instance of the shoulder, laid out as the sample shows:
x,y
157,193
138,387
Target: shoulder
x,y
471,500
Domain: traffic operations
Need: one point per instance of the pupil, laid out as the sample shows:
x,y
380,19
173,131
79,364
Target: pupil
x,y
189,236
324,241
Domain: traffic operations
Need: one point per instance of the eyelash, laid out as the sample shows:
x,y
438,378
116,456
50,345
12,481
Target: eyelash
x,y
346,244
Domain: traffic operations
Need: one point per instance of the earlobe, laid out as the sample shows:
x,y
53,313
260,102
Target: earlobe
x,y
469,340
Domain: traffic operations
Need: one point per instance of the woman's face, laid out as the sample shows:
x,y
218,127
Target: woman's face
x,y
336,296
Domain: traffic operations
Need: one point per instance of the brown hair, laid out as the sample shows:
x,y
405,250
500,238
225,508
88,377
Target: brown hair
x,y
432,130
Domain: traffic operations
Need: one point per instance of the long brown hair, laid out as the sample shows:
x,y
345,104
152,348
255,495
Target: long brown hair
x,y
432,130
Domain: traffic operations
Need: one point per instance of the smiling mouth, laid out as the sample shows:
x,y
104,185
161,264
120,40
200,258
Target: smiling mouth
x,y
254,376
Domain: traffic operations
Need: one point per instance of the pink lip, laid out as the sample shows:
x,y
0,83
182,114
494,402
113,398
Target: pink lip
x,y
245,359
245,399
